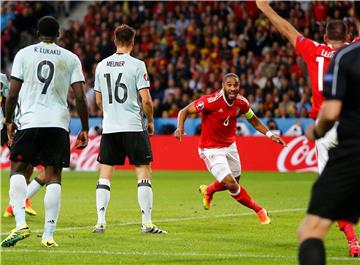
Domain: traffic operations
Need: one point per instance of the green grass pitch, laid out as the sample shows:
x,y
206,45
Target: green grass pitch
x,y
228,233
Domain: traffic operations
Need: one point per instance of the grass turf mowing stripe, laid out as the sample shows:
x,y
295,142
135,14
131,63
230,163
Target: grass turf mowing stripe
x,y
172,220
192,254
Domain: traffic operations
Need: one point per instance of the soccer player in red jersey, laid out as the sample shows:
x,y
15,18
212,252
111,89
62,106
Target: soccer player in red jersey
x,y
217,143
317,57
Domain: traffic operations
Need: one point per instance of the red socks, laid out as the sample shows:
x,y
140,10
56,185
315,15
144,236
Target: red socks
x,y
214,187
349,230
244,198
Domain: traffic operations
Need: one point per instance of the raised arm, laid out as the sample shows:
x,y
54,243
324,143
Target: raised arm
x,y
189,109
148,108
261,127
282,25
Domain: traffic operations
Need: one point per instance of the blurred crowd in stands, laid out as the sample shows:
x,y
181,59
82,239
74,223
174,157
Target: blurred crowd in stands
x,y
187,47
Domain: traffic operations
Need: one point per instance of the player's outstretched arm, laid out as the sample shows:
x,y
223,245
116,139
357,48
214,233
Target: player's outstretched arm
x,y
148,108
10,105
261,127
82,109
282,25
183,113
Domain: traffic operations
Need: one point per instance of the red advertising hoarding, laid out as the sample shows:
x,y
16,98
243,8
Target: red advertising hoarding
x,y
256,153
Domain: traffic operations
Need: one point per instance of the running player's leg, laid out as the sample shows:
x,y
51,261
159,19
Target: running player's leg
x,y
210,189
215,186
244,198
237,192
349,231
211,157
322,147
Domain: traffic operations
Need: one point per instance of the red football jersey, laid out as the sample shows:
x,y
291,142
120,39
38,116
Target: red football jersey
x,y
357,39
218,124
317,57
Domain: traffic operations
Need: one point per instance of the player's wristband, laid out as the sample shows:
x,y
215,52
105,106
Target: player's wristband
x,y
269,134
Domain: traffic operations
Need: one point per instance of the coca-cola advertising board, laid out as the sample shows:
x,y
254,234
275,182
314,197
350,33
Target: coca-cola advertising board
x,y
257,153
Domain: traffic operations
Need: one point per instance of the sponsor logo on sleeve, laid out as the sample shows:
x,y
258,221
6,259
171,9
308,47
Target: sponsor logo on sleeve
x,y
146,77
200,105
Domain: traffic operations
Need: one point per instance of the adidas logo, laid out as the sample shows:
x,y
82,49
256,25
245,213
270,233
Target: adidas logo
x,y
221,110
102,209
51,222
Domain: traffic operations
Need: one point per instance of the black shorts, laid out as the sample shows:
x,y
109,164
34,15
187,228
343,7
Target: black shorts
x,y
336,193
42,146
115,147
4,136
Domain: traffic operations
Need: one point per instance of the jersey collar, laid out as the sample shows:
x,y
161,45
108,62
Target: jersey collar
x,y
47,42
223,94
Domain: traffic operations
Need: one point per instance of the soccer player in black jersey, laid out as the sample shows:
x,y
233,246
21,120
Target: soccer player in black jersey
x,y
335,194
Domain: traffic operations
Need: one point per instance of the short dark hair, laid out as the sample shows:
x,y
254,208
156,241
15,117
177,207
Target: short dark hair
x,y
230,75
48,26
336,30
124,35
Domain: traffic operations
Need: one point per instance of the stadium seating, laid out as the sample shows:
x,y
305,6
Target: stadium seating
x,y
189,47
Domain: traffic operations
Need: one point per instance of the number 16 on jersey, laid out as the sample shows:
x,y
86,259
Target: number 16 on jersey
x,y
118,85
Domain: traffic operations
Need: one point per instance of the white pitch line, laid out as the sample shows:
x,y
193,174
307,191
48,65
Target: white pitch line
x,y
189,254
170,220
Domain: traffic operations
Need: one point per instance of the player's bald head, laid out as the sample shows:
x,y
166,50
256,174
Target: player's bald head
x,y
228,75
336,30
